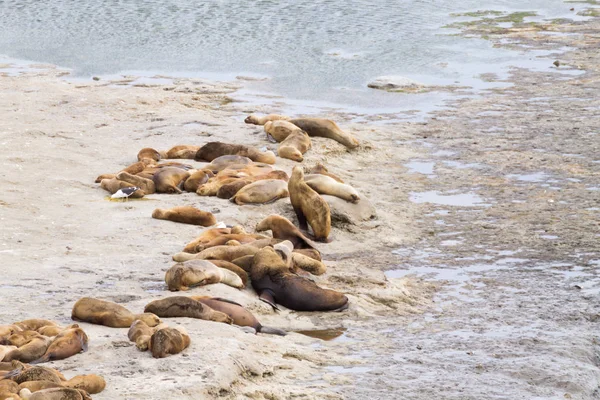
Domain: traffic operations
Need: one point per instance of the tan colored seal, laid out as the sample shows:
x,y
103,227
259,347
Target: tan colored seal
x,y
325,128
35,386
223,162
147,185
21,338
34,324
182,306
294,146
68,343
90,383
229,190
186,215
38,373
233,268
227,253
275,284
113,185
309,206
308,264
319,168
262,192
197,178
205,237
148,154
242,238
102,312
183,151
5,349
212,150
140,334
168,341
31,351
59,393
258,120
283,229
280,130
188,274
170,180
324,184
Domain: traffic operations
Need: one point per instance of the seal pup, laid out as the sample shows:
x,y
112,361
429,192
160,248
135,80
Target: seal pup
x,y
262,192
309,206
183,151
186,215
147,185
107,313
324,184
197,178
181,306
167,341
258,120
148,154
170,179
294,146
319,168
276,284
238,314
212,150
114,185
68,343
140,333
279,130
325,128
183,276
283,229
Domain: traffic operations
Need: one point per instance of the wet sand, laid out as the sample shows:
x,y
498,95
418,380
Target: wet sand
x,y
496,297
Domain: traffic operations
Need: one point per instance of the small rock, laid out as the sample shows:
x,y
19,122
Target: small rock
x,y
557,63
396,84
96,78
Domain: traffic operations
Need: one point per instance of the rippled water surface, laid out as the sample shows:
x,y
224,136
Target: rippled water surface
x,y
321,50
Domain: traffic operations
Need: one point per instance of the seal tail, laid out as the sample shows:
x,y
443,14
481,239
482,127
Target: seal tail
x,y
271,331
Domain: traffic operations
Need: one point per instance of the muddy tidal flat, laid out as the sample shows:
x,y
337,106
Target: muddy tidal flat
x,y
478,279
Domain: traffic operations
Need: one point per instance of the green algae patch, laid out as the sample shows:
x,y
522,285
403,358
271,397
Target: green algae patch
x,y
487,23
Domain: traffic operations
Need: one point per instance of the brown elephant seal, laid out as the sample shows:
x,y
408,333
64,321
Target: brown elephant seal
x,y
319,168
169,341
183,151
238,314
325,128
258,120
212,150
113,185
324,184
188,274
280,129
275,284
262,192
283,229
233,268
90,383
31,351
68,343
148,154
220,163
181,306
186,215
107,313
197,178
309,206
170,180
205,237
294,146
147,185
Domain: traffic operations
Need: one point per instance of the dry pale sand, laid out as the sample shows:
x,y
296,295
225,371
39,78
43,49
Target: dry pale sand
x,y
509,307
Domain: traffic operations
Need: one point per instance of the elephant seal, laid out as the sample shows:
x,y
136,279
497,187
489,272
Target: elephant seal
x,y
107,313
319,168
294,146
147,185
188,274
183,151
325,128
227,253
181,306
309,206
238,314
205,237
324,184
197,178
256,120
31,351
90,383
170,179
148,154
68,343
186,215
280,129
283,229
275,284
220,163
212,150
113,185
262,192
168,341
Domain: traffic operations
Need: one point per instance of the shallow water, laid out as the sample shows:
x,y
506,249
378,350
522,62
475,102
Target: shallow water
x,y
323,50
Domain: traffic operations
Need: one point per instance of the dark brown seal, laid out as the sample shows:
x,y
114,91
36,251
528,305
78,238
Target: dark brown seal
x,y
168,341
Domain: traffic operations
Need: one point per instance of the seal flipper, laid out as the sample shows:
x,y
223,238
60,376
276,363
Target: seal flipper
x,y
267,296
227,301
301,219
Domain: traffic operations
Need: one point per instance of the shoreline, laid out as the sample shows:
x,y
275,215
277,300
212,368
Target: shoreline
x,y
499,305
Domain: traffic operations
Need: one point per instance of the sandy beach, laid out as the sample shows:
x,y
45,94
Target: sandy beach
x,y
478,278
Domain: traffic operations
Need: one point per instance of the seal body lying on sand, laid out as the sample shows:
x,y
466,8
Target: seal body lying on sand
x,y
275,284
324,184
183,276
309,206
262,192
294,146
107,313
168,341
238,314
261,120
183,151
283,229
212,150
182,306
170,180
325,128
186,215
68,343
